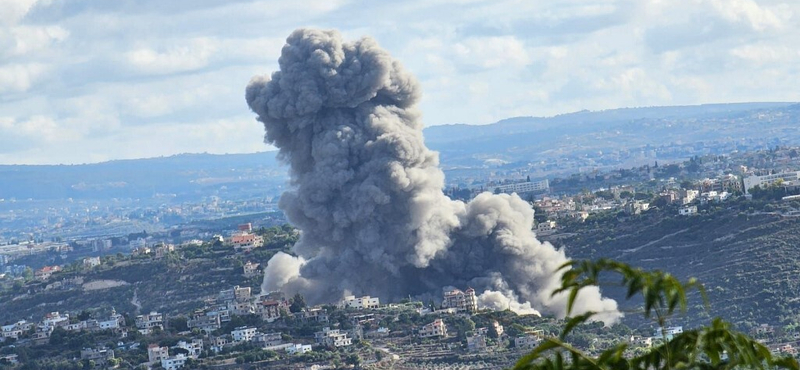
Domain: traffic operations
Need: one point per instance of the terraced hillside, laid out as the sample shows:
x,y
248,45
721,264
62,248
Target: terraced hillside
x,y
748,260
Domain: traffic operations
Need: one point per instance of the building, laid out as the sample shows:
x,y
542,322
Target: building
x,y
462,301
524,187
246,241
359,303
195,347
99,356
688,211
250,269
527,341
762,181
435,329
240,308
243,334
668,332
237,293
270,310
476,343
91,262
332,338
174,362
54,319
155,353
546,226
204,321
9,359
147,323
298,348
268,339
46,272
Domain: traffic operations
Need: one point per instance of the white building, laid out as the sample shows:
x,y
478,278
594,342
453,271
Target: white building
x,y
195,348
669,332
687,211
174,362
243,334
146,323
54,319
435,329
298,348
762,181
359,303
524,187
91,262
332,338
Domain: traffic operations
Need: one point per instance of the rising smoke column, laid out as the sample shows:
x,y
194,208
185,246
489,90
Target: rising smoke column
x,y
367,192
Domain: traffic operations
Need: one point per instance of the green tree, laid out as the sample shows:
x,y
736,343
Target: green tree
x,y
716,346
298,303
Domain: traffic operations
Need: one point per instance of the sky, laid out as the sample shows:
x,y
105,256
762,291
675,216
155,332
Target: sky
x,y
95,80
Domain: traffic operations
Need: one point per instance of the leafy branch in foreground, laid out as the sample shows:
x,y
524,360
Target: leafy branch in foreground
x,y
716,346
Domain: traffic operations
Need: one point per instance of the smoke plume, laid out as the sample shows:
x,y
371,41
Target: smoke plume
x,y
367,192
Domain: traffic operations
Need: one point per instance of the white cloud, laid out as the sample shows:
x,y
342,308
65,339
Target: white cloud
x,y
20,77
193,55
492,52
168,77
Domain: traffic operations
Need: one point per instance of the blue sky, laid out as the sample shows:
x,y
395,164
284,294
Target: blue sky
x,y
95,80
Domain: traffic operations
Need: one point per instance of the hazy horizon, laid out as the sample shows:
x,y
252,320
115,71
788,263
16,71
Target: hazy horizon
x,y
165,78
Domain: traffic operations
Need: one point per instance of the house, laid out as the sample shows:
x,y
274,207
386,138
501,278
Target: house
x,y
246,241
163,249
668,332
332,338
527,341
205,321
435,329
298,348
687,211
546,226
359,303
195,347
315,314
462,301
270,310
9,359
240,308
46,272
99,356
54,319
476,343
218,343
237,293
243,334
268,339
155,353
250,269
91,262
147,323
174,362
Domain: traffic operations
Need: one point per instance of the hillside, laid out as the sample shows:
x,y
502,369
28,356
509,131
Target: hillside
x,y
748,259
541,146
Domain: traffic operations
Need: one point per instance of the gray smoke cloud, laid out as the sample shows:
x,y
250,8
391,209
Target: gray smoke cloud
x,y
367,192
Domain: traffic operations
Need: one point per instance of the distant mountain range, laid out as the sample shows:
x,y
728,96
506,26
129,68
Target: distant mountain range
x,y
604,138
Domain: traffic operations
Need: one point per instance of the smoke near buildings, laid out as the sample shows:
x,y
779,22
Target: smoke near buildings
x,y
367,192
